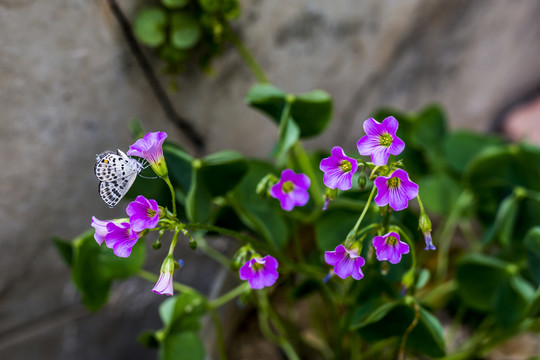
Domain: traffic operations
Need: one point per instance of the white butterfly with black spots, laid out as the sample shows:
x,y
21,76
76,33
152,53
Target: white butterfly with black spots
x,y
116,173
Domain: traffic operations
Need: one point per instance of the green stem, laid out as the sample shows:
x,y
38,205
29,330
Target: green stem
x,y
174,241
463,201
282,338
245,54
216,255
173,196
222,352
225,298
411,327
305,165
177,286
366,207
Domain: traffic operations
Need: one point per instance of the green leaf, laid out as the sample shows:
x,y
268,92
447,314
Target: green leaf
x,y
461,147
290,136
231,9
185,30
95,267
503,226
496,172
198,200
311,111
439,193
179,166
513,299
429,128
375,315
150,26
532,245
327,234
148,339
533,310
480,278
182,313
64,249
174,4
210,5
427,337
222,171
393,319
182,346
260,215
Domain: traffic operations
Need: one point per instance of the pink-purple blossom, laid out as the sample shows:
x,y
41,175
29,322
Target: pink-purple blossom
x,y
121,238
346,262
291,190
380,140
151,148
101,229
390,247
260,272
338,169
164,285
143,213
395,190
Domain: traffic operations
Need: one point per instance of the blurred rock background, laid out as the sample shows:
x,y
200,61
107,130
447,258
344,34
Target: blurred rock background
x,y
69,87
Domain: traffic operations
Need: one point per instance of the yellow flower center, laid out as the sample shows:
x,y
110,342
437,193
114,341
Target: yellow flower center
x,y
345,166
391,240
385,140
256,266
393,182
288,186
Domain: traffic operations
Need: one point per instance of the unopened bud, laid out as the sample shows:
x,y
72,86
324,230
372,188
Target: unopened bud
x,y
362,182
157,244
424,223
192,244
329,195
263,187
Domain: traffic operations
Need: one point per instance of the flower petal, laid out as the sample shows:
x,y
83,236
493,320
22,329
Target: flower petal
x,y
390,125
372,127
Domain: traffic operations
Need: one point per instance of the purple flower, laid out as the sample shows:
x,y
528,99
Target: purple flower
x,y
260,272
164,285
143,213
380,140
396,190
291,190
121,238
390,247
151,148
346,262
338,169
101,229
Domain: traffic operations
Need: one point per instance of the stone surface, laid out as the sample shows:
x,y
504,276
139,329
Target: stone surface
x,y
70,85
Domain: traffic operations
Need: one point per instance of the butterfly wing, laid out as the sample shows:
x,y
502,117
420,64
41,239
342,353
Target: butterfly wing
x,y
113,191
116,173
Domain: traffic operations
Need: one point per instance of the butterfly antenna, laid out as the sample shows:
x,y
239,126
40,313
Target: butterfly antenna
x,y
149,177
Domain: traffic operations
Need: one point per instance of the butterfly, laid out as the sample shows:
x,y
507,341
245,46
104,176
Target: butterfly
x,y
116,173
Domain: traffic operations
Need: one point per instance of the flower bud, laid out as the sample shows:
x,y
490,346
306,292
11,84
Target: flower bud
x,y
192,244
424,223
362,182
329,195
265,184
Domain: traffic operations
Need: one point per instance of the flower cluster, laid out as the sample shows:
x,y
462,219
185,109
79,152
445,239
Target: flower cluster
x,y
122,234
394,189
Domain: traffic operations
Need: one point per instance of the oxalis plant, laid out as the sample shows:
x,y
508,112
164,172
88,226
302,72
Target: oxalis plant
x,y
346,236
